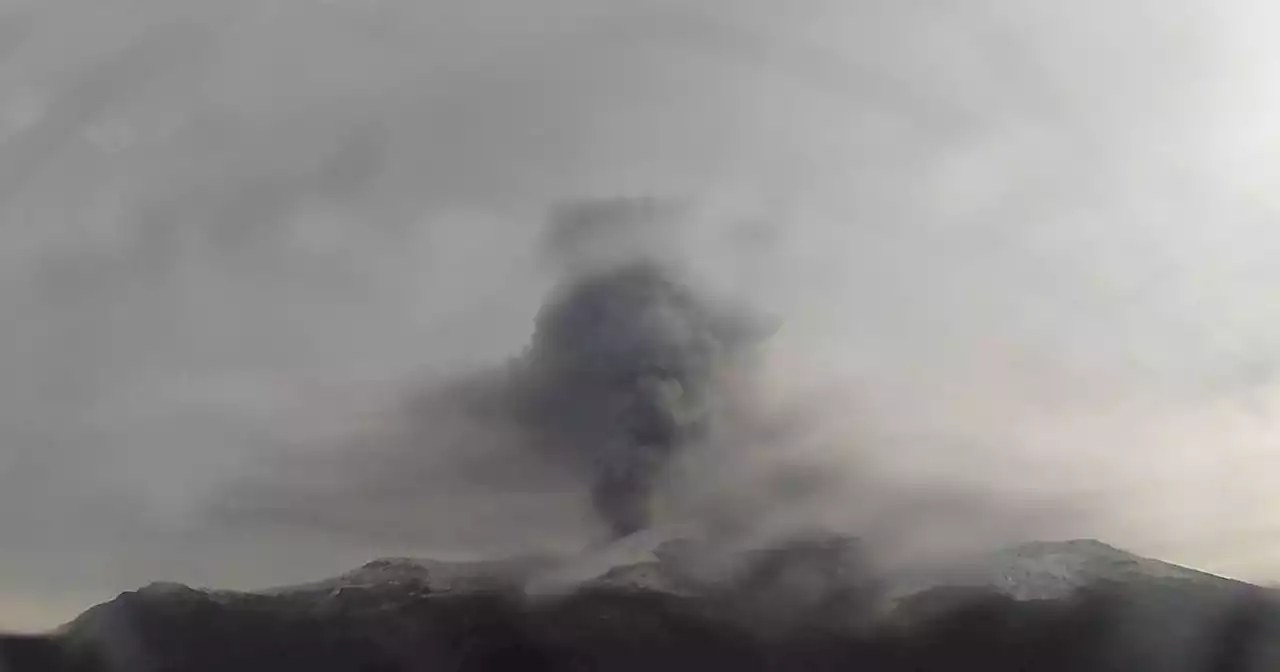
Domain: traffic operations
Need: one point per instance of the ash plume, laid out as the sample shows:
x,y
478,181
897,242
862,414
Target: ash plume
x,y
622,369
625,367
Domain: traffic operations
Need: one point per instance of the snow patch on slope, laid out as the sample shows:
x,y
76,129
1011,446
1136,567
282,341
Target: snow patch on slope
x,y
1049,570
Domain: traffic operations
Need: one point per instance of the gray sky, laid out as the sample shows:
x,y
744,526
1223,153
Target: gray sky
x,y
1021,248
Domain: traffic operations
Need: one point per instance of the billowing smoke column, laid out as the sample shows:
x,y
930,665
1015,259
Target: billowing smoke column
x,y
625,356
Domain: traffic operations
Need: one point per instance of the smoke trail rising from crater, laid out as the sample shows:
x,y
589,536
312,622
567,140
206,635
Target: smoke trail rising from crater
x,y
621,373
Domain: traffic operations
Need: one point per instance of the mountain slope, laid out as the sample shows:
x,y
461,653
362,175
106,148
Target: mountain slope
x,y
1051,570
810,604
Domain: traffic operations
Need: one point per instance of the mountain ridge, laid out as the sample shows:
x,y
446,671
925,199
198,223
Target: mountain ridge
x,y
811,603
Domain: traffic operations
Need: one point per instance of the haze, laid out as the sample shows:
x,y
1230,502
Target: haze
x,y
1021,251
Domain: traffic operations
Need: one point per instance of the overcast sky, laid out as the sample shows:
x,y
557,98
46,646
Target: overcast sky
x,y
1021,248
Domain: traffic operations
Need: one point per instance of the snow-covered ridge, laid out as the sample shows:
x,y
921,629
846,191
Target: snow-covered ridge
x,y
1051,570
1032,571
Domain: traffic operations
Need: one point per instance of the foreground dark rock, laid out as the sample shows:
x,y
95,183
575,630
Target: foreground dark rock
x,y
810,606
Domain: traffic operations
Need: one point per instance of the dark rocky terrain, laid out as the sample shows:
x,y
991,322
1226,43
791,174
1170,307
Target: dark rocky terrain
x,y
810,605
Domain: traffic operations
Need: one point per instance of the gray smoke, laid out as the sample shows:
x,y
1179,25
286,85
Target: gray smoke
x,y
622,368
